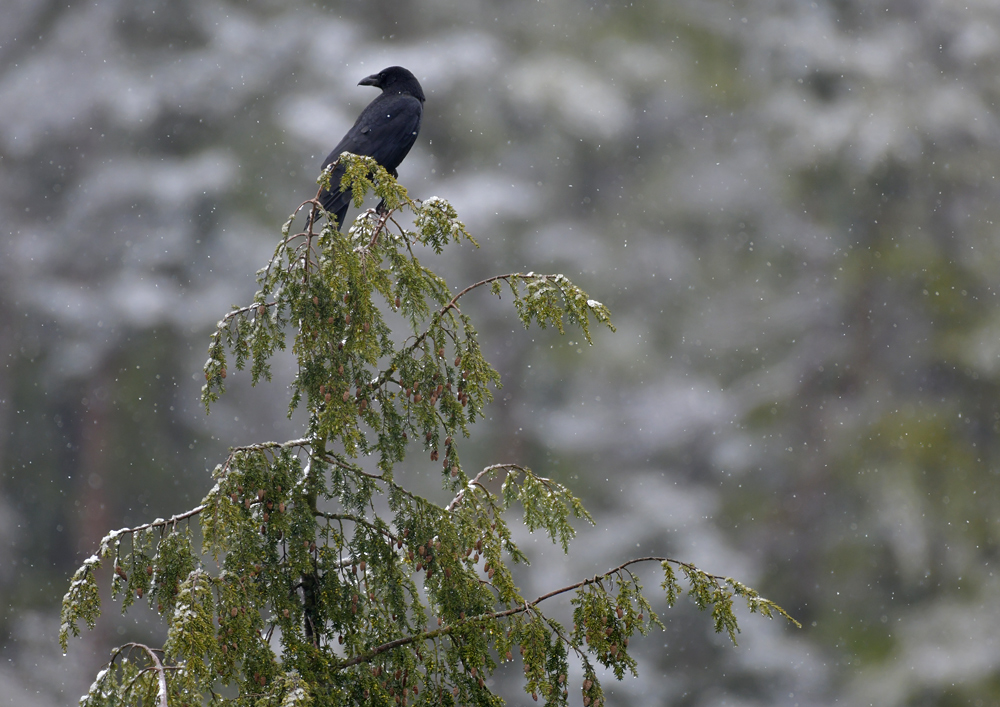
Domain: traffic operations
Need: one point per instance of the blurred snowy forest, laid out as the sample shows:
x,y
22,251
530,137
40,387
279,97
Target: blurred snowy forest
x,y
789,207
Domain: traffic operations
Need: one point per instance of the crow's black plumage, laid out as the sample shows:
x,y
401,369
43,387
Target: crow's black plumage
x,y
385,130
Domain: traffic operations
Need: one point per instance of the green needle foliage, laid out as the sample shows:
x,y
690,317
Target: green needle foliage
x,y
319,578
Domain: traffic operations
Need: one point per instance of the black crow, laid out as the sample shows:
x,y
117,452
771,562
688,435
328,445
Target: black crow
x,y
385,130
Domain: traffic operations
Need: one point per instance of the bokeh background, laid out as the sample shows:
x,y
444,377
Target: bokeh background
x,y
789,206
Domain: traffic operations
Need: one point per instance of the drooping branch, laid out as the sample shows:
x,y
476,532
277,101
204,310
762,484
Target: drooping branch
x,y
530,606
359,521
159,522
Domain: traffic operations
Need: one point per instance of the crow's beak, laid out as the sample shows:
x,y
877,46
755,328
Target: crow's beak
x,y
369,81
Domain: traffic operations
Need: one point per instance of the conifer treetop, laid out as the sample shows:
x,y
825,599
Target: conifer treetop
x,y
321,579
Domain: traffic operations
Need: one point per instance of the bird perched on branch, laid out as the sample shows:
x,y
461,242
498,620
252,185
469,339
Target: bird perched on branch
x,y
385,130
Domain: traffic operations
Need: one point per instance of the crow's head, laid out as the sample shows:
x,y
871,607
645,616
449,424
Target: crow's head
x,y
395,79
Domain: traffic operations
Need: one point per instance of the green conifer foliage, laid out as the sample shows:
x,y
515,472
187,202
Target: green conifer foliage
x,y
319,578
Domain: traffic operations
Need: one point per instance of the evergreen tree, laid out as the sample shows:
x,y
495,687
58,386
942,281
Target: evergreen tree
x,y
320,579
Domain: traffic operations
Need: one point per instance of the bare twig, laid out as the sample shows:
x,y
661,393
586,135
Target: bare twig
x,y
477,482
161,674
454,300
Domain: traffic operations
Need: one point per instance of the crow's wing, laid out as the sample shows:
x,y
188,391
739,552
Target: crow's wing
x,y
385,130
